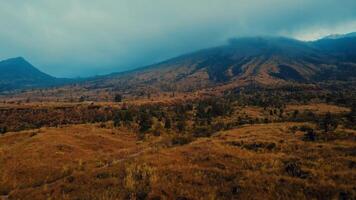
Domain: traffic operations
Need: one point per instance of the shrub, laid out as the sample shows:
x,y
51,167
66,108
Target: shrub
x,y
305,128
145,122
157,129
3,130
202,131
351,117
310,135
118,98
328,123
181,125
138,180
181,140
168,123
117,119
294,170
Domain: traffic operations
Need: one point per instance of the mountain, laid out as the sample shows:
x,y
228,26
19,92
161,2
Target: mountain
x,y
339,36
254,60
342,46
266,61
17,73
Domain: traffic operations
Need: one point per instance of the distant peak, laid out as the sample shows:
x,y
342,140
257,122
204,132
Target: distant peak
x,y
17,60
20,58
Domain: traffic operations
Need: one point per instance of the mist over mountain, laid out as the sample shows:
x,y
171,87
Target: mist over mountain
x,y
177,99
77,38
243,61
251,60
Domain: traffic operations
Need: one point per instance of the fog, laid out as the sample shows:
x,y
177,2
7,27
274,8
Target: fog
x,y
70,38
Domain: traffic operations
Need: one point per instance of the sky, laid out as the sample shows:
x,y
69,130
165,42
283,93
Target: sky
x,y
81,38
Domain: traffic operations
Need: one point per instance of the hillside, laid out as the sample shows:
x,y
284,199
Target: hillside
x,y
17,73
286,143
257,60
253,162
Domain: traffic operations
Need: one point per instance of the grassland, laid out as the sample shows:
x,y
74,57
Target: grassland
x,y
95,161
243,144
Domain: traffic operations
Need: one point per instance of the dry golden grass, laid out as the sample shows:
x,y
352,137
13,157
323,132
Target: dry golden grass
x,y
252,162
318,108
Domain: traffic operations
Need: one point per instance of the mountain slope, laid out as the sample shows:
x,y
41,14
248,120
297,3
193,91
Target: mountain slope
x,y
272,61
343,47
257,60
339,36
17,73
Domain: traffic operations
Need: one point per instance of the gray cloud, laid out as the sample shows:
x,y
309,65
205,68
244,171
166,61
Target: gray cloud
x,y
88,37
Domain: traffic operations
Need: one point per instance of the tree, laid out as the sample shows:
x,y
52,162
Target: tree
x,y
351,117
181,125
128,116
328,123
82,99
145,122
201,114
117,119
118,98
168,123
3,130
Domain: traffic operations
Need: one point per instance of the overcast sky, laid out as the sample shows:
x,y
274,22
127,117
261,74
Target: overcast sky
x,y
69,38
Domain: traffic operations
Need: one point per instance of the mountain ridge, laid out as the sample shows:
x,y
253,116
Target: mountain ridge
x,y
240,62
261,60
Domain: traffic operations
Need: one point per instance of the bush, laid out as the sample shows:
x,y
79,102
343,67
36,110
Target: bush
x,y
328,123
117,119
181,140
118,98
310,135
181,125
3,130
168,123
202,131
138,180
294,170
351,117
145,122
157,129
305,128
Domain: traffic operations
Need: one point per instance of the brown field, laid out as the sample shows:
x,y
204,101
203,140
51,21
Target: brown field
x,y
95,161
318,108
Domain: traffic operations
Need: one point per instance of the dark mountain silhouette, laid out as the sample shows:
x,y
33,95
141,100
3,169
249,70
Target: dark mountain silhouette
x,y
17,73
343,46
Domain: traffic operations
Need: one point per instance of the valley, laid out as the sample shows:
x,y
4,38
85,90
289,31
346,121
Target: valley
x,y
258,118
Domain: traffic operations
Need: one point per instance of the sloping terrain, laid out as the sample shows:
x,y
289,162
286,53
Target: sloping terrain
x,y
17,73
259,60
252,162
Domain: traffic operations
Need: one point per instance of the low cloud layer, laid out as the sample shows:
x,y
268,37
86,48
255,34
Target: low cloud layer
x,y
70,38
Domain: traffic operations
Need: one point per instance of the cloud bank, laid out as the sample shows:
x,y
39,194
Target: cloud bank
x,y
69,38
